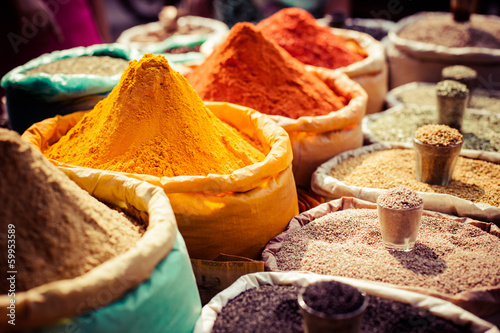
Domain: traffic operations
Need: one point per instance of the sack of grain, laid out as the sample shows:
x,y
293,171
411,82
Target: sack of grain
x,y
47,85
371,73
152,279
342,237
215,213
422,58
475,195
399,123
282,297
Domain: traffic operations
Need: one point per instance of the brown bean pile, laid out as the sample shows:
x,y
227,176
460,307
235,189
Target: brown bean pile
x,y
473,180
400,198
449,256
439,135
480,31
96,65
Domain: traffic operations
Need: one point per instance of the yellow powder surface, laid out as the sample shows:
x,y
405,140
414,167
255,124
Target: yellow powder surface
x,y
154,123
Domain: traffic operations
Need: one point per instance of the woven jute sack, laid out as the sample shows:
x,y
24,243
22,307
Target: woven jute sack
x,y
483,302
152,280
235,214
414,61
435,306
331,188
371,73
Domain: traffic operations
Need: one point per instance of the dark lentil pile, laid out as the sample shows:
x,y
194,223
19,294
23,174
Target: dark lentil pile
x,y
381,315
384,315
400,198
439,135
267,308
96,65
480,31
332,297
474,180
480,131
449,257
450,88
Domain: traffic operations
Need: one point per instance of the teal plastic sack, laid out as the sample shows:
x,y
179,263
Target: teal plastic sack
x,y
32,98
167,302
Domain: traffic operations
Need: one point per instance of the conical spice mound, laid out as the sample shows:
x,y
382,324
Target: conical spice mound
x,y
154,123
251,70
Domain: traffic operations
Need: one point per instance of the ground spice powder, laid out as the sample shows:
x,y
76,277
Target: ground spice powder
x,y
61,231
474,180
449,256
154,123
253,71
298,32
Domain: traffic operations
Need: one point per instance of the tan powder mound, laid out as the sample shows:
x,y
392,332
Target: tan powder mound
x,y
251,70
61,231
154,123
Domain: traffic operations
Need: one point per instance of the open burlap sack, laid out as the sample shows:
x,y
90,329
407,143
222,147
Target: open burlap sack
x,y
317,139
482,302
413,61
235,214
331,188
435,306
371,73
153,279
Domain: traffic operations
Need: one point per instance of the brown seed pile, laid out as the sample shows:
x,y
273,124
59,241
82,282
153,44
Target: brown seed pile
x,y
474,180
96,65
61,231
451,88
480,31
449,256
400,198
439,135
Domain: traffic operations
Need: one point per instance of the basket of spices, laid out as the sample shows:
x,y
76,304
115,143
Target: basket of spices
x,y
322,118
367,172
422,45
480,128
269,302
178,37
62,82
324,49
88,256
343,237
218,163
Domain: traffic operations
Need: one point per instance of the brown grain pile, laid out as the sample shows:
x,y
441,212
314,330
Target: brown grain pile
x,y
474,180
61,231
400,198
439,135
449,256
480,31
95,65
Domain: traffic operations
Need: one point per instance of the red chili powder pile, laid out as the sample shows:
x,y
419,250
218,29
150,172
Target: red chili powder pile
x,y
298,32
251,70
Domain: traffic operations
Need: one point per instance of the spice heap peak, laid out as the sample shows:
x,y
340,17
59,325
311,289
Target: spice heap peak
x,y
298,32
154,123
251,70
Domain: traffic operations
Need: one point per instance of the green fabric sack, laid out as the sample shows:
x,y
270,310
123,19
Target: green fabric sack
x,y
167,302
32,98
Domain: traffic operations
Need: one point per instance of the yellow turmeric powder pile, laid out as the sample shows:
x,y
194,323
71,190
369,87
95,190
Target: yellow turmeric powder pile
x,y
154,123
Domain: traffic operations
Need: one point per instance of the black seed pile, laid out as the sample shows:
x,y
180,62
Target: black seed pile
x,y
265,309
275,309
332,297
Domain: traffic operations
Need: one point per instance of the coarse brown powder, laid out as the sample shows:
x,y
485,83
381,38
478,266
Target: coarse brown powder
x,y
439,135
400,198
474,180
449,256
61,231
